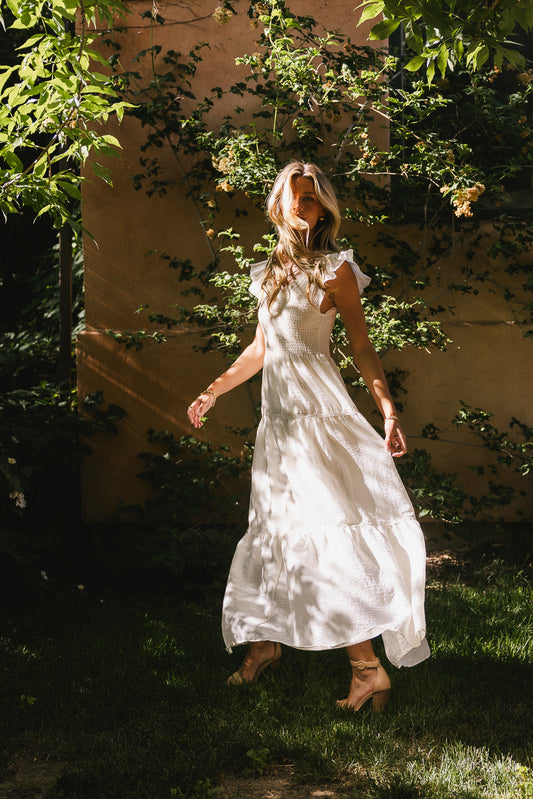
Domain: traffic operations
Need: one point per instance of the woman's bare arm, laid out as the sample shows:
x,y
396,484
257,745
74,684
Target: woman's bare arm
x,y
249,362
343,292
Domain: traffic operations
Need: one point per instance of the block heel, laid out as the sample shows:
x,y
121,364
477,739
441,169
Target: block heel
x,y
374,684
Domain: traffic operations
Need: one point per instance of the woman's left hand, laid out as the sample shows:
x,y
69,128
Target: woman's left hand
x,y
394,438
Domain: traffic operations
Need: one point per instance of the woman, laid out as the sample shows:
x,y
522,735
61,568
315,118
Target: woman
x,y
333,555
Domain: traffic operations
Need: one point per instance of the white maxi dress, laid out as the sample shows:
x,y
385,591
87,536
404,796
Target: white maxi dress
x,y
333,554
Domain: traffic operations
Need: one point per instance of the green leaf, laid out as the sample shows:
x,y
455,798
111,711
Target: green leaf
x,y
524,15
482,57
415,63
39,169
414,36
109,139
371,10
476,55
69,188
384,28
12,159
430,72
26,20
29,43
442,59
432,14
102,172
44,210
5,76
513,57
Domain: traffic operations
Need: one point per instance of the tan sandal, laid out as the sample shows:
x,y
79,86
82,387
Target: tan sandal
x,y
272,664
378,690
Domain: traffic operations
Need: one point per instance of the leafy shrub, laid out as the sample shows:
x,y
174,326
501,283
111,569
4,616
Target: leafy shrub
x,y
187,530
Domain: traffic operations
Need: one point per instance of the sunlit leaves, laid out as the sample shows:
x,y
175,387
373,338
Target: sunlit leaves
x,y
52,102
446,33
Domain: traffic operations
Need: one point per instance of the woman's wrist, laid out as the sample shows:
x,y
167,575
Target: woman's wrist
x,y
211,392
391,417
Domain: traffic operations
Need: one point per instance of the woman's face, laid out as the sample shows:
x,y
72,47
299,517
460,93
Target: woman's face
x,y
305,203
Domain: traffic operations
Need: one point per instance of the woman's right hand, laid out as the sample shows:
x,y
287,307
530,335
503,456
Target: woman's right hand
x,y
249,362
199,407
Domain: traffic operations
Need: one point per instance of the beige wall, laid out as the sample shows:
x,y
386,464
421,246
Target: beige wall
x,y
489,364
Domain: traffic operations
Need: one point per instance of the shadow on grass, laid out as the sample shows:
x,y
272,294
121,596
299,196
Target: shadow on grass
x,y
130,692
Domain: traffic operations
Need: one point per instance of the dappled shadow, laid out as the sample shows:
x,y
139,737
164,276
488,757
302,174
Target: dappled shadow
x,y
333,554
133,689
473,697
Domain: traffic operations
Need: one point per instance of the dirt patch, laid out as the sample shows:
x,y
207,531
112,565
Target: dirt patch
x,y
29,777
277,784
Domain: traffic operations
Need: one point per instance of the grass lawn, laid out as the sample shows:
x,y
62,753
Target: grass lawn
x,y
108,693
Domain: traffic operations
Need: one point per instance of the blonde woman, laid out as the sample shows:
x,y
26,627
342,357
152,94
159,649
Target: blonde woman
x,y
333,555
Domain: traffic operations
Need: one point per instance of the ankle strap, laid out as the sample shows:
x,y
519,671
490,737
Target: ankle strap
x,y
361,665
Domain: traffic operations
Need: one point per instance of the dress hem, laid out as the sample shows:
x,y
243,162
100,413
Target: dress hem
x,y
405,659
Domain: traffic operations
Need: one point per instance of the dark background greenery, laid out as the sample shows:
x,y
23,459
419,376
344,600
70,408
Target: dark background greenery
x,y
480,122
110,654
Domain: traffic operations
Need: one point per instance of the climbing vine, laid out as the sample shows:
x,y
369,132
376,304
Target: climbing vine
x,y
456,152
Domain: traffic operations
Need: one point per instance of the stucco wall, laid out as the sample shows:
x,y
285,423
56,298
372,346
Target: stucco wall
x,y
488,365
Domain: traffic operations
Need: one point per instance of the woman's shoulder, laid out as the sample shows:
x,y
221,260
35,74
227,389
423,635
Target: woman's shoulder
x,y
334,261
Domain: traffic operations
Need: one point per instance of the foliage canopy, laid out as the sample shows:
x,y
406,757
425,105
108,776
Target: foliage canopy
x,y
445,33
52,101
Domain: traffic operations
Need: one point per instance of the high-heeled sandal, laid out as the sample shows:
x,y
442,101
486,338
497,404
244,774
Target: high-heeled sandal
x,y
272,664
379,691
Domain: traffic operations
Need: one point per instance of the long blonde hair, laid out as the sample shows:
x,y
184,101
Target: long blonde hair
x,y
293,245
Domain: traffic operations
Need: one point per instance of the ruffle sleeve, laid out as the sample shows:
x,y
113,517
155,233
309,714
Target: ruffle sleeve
x,y
256,273
336,259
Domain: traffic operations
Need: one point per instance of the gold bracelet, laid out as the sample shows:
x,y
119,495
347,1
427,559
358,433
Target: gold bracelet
x,y
210,391
394,418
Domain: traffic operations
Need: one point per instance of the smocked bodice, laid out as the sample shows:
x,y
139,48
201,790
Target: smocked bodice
x,y
300,378
292,325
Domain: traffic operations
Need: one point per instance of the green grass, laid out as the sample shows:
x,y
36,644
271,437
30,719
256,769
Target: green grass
x,y
129,691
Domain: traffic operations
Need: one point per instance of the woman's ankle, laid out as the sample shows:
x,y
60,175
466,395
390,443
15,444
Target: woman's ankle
x,y
363,651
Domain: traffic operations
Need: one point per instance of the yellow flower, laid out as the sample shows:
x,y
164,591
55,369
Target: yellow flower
x,y
463,210
222,15
226,163
210,233
225,186
525,78
463,197
19,498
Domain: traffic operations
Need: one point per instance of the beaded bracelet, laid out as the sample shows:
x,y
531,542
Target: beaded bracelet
x,y
210,391
394,418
